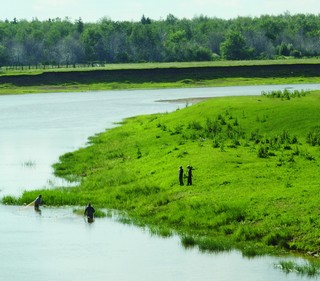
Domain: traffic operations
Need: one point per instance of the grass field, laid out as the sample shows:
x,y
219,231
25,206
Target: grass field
x,y
256,173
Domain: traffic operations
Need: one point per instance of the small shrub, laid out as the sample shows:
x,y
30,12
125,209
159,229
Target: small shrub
x,y
178,129
263,151
310,157
188,241
251,251
216,143
285,94
222,120
213,127
296,151
195,125
255,136
313,137
285,137
214,245
278,239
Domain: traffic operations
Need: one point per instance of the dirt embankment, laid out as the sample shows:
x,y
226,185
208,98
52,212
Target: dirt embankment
x,y
162,74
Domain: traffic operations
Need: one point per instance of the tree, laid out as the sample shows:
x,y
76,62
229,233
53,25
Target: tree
x,y
145,43
145,20
58,40
3,55
235,47
91,38
80,25
176,46
283,49
70,51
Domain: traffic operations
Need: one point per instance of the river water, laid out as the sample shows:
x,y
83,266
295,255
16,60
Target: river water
x,y
58,245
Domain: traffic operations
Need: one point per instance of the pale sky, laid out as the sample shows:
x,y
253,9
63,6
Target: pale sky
x,y
132,10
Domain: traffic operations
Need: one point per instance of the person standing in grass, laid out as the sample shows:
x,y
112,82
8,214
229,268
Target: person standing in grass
x,y
181,175
189,175
89,211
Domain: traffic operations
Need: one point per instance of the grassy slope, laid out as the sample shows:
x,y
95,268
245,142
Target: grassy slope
x,y
237,198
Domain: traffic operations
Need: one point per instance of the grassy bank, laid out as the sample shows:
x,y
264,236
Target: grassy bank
x,y
256,173
9,89
161,75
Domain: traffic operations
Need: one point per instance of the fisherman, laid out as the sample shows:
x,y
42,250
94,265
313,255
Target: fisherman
x,y
89,211
181,175
37,202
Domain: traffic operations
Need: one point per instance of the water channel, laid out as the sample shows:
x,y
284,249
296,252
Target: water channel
x,y
58,245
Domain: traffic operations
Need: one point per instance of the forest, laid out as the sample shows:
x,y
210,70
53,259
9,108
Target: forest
x,y
65,42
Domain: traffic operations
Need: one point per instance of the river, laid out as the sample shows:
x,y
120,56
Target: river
x,y
58,245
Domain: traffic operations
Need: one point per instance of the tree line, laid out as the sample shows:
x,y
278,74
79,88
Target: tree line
x,y
62,41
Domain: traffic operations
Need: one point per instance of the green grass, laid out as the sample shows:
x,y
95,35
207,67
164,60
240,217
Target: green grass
x,y
311,269
256,173
8,89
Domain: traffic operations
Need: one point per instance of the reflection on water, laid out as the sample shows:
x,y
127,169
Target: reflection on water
x,y
58,245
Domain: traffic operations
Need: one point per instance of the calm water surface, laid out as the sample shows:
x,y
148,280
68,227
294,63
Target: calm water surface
x,y
58,245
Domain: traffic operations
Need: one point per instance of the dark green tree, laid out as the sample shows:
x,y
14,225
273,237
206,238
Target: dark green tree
x,y
3,55
80,25
235,47
145,20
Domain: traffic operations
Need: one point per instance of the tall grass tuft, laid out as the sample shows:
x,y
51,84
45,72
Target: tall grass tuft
x,y
313,137
309,269
214,244
188,241
285,94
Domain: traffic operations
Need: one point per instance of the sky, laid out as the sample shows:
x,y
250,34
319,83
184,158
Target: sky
x,y
132,10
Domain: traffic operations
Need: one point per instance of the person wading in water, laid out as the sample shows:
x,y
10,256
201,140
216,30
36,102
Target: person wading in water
x,y
89,211
37,203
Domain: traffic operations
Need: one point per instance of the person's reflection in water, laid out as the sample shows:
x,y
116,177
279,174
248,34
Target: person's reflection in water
x,y
38,210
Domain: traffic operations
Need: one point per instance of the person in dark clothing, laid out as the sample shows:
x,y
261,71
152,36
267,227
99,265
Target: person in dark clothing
x,y
89,211
38,201
181,175
189,175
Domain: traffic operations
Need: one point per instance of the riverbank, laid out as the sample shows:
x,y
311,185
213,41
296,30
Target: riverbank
x,y
255,172
152,76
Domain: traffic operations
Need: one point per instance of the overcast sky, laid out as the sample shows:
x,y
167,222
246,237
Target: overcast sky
x,y
132,10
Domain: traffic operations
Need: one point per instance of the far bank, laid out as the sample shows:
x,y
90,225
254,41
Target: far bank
x,y
158,76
